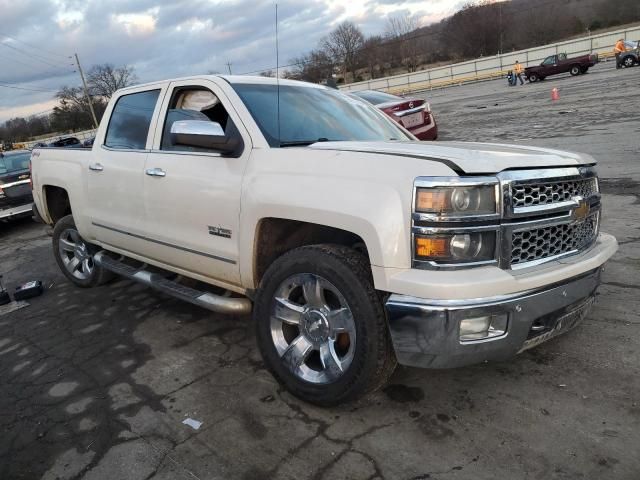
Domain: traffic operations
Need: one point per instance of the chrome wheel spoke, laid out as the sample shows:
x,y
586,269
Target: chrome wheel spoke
x,y
288,312
313,292
330,361
85,266
73,264
340,320
66,245
297,352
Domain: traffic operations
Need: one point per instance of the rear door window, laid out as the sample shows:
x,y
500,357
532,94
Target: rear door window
x,y
130,120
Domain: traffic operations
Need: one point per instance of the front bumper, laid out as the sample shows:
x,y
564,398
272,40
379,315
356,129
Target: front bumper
x,y
13,212
426,333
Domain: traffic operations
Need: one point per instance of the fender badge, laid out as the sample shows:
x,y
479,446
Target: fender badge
x,y
220,232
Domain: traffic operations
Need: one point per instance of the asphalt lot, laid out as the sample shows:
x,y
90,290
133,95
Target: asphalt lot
x,y
95,383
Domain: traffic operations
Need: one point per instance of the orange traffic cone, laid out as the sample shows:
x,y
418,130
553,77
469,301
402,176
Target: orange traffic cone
x,y
555,94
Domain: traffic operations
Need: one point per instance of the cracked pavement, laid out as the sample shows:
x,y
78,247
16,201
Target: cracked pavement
x,y
95,384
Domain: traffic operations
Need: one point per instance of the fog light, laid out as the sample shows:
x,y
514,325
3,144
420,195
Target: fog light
x,y
482,328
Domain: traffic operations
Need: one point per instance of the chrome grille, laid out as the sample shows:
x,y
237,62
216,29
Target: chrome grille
x,y
550,241
546,193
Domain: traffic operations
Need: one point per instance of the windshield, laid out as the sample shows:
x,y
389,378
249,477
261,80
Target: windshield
x,y
377,97
309,114
14,162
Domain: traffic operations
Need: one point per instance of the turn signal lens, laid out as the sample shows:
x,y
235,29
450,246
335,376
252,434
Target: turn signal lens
x,y
432,246
431,200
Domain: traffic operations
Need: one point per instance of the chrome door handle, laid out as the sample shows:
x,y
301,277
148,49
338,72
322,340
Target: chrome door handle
x,y
155,172
96,167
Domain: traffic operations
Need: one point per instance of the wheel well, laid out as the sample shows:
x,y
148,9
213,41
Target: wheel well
x,y
57,201
276,236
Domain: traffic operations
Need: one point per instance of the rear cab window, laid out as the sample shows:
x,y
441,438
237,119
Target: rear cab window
x,y
14,162
130,120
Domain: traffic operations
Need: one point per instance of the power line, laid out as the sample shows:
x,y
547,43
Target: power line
x,y
28,54
35,67
33,46
25,88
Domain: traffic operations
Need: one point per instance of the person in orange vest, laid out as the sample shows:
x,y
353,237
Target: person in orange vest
x,y
618,50
518,70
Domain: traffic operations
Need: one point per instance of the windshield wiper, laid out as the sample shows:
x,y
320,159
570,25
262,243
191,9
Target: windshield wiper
x,y
302,143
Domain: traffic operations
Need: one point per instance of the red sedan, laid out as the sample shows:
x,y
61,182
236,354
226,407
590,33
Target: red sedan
x,y
414,114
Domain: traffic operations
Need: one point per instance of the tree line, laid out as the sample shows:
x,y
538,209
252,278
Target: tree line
x,y
72,113
480,28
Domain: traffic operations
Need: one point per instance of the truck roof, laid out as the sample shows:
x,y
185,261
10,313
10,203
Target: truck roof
x,y
232,79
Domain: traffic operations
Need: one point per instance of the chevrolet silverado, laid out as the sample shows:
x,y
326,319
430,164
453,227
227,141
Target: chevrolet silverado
x,y
353,245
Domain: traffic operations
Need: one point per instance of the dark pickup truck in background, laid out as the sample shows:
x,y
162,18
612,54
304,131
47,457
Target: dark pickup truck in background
x,y
15,184
556,64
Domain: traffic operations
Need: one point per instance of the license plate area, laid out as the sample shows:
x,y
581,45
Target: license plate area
x,y
413,120
552,325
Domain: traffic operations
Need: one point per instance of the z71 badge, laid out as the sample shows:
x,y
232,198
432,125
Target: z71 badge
x,y
220,232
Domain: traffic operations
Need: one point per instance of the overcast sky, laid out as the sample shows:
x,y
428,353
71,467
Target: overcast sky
x,y
164,39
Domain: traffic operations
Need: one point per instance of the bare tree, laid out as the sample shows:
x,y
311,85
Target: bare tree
x,y
105,79
315,67
403,28
343,45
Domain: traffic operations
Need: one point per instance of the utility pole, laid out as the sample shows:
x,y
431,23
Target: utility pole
x,y
229,66
86,92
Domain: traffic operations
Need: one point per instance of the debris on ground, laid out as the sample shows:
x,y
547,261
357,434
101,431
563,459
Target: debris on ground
x,y
195,424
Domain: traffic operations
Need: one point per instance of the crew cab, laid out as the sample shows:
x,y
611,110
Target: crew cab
x,y
15,184
560,63
353,245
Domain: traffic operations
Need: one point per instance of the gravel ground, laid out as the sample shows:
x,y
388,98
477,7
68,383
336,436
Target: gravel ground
x,y
95,383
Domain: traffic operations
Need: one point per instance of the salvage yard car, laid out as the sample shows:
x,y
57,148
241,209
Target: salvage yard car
x,y
631,56
15,184
354,245
560,63
412,113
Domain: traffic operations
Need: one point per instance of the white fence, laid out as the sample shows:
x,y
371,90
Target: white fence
x,y
492,67
82,136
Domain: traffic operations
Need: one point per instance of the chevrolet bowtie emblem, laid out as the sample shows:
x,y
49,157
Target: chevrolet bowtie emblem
x,y
581,211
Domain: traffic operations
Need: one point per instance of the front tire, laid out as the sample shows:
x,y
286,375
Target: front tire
x,y
321,326
74,257
628,62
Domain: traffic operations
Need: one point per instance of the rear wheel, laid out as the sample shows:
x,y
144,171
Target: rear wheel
x,y
74,257
628,61
533,78
575,70
321,326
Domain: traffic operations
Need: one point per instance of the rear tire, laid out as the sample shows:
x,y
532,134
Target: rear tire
x,y
628,61
74,257
575,70
321,326
533,78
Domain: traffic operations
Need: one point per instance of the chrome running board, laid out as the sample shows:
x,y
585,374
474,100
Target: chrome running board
x,y
210,301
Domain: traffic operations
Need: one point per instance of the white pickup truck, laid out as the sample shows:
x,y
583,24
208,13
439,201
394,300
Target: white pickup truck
x,y
354,245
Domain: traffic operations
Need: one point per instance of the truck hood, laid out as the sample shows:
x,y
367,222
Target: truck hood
x,y
467,157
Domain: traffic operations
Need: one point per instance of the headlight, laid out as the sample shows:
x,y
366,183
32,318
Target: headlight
x,y
454,248
457,201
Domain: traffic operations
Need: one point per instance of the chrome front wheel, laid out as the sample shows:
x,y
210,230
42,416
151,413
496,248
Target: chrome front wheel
x,y
75,255
312,328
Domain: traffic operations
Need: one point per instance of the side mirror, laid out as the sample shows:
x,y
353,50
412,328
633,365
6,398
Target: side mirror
x,y
206,134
